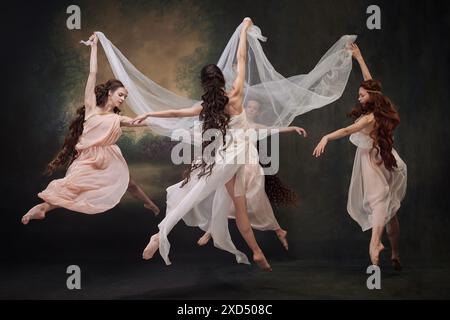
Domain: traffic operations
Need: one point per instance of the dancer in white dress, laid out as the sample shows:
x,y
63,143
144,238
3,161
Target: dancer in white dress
x,y
378,182
205,198
281,100
259,204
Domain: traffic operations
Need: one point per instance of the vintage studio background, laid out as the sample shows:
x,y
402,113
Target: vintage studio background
x,y
170,41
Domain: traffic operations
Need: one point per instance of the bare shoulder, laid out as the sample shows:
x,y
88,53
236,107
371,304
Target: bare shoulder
x,y
234,108
234,105
235,92
368,118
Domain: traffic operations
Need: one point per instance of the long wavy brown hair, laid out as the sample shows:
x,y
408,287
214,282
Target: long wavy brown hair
x,y
278,193
386,120
213,115
67,154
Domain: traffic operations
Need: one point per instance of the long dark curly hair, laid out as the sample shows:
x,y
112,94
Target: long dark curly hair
x,y
278,193
386,120
67,154
213,115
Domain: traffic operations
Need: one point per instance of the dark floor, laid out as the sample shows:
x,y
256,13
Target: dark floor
x,y
189,279
107,248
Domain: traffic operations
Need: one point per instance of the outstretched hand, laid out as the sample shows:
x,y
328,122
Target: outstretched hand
x,y
300,131
139,119
320,148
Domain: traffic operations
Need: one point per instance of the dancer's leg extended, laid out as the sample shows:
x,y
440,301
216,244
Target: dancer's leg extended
x,y
393,232
378,223
281,234
243,224
376,246
38,212
151,247
136,191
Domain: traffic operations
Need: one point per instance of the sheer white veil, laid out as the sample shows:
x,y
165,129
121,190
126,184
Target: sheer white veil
x,y
280,99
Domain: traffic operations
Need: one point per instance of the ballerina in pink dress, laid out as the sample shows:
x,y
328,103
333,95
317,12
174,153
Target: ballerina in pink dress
x,y
97,176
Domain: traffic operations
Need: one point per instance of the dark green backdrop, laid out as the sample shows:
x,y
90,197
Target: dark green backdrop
x,y
45,73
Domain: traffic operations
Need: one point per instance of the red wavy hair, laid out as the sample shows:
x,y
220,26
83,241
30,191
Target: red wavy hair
x,y
386,120
68,153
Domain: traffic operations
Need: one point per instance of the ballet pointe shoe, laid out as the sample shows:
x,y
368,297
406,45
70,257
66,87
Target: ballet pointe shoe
x,y
396,264
281,234
374,253
35,213
261,261
204,239
151,248
153,207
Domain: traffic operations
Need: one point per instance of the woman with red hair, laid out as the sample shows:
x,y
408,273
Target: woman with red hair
x,y
378,182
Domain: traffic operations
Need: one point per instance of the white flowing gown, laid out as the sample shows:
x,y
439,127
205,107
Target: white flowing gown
x,y
375,193
205,202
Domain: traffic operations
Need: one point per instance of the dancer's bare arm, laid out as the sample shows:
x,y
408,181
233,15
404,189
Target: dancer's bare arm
x,y
128,122
174,113
237,92
358,126
299,130
356,53
89,93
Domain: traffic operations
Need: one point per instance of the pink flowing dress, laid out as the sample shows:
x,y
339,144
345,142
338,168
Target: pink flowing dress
x,y
98,177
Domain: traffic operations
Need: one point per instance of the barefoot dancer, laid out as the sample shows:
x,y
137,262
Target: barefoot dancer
x,y
202,198
97,176
210,187
378,182
263,191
